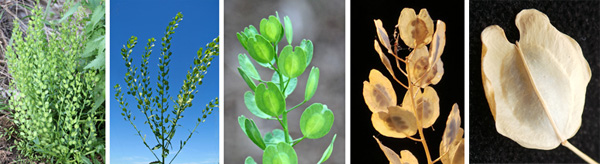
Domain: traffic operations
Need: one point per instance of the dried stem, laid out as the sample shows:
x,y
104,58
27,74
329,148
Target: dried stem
x,y
440,158
419,124
401,70
579,153
414,139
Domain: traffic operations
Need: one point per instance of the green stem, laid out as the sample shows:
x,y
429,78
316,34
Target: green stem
x,y
296,106
143,139
298,140
286,130
283,122
277,70
286,85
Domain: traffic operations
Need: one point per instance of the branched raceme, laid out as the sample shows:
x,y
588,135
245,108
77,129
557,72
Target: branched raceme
x,y
162,120
55,105
420,106
267,100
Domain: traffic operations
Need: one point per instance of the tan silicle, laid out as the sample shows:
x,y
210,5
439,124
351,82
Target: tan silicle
x,y
420,106
535,87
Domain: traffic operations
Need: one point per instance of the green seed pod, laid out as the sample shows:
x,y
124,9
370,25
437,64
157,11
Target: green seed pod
x,y
249,127
272,29
307,46
283,153
289,32
316,121
292,63
260,49
270,100
312,83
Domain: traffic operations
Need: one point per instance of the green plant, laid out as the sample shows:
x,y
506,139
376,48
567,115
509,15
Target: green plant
x,y
420,106
154,109
54,106
268,99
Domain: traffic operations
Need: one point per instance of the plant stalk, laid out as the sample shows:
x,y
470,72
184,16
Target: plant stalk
x,y
579,153
419,124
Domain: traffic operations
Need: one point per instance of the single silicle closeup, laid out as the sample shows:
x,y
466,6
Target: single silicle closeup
x,y
536,87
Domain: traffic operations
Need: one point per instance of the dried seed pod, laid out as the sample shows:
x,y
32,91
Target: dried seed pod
x,y
384,59
455,154
407,156
439,42
389,153
397,122
415,31
428,105
536,88
453,132
383,36
379,93
421,72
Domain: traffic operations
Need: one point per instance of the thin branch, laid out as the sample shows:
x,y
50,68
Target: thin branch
x,y
399,58
401,70
579,153
414,139
399,82
440,158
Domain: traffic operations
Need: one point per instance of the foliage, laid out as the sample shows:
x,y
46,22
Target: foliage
x,y
162,121
267,100
54,106
420,106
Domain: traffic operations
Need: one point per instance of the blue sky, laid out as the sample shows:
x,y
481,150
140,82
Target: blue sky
x,y
146,19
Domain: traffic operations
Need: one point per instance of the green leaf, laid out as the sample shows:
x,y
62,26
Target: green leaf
x,y
328,151
307,46
270,100
96,43
260,49
251,131
316,121
158,146
248,66
251,105
247,79
97,15
272,29
85,160
283,153
312,83
291,86
69,13
249,160
97,63
289,33
292,63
